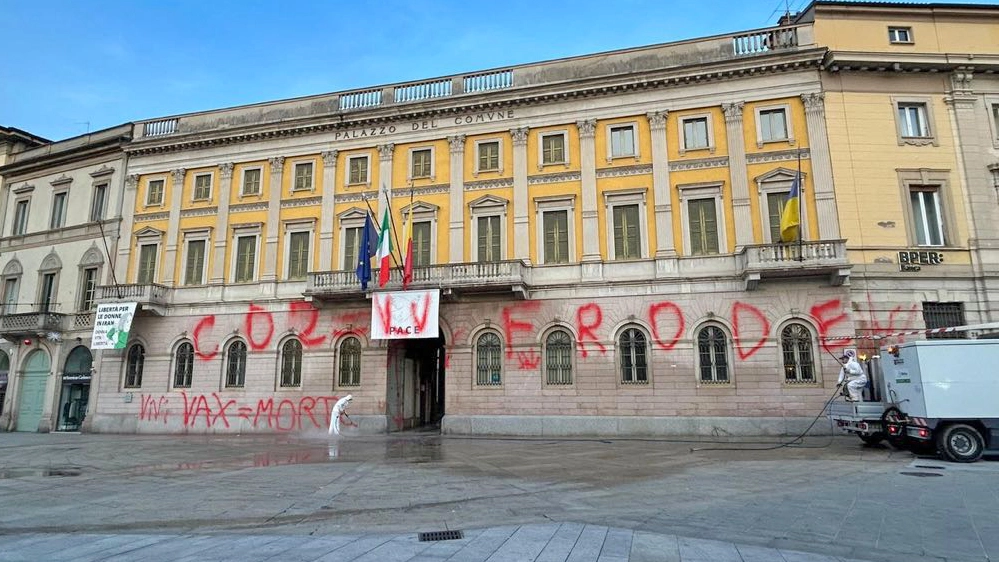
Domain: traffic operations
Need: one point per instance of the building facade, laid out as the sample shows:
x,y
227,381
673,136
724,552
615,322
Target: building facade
x,y
59,217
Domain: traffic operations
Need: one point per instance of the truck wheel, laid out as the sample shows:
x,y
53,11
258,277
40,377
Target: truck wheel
x,y
893,415
962,443
871,440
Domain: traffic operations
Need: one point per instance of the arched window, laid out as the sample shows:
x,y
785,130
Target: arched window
x,y
796,347
235,364
558,358
712,355
183,365
291,363
350,362
488,359
136,360
633,349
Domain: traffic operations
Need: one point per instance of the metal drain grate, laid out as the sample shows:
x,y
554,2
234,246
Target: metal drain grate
x,y
921,474
441,536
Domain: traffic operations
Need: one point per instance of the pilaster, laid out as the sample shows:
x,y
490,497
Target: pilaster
x,y
588,175
742,215
661,186
173,230
221,224
273,227
385,154
521,221
456,200
822,178
326,215
125,237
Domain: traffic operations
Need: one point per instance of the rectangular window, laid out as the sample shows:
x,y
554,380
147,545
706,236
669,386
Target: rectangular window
x,y
926,215
695,133
352,247
912,120
775,206
489,156
553,149
47,297
58,210
154,194
303,176
421,244
703,223
489,239
622,141
147,264
246,257
251,182
202,187
627,244
298,255
358,170
20,218
194,269
100,199
10,295
773,125
88,289
944,315
422,163
900,35
556,224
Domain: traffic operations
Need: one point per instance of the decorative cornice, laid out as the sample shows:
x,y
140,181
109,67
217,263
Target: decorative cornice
x,y
428,190
587,128
386,151
699,164
621,171
277,165
359,196
132,181
457,143
489,184
246,207
657,119
61,180
145,217
777,156
225,170
554,178
519,136
26,188
733,111
301,202
104,170
814,103
329,158
178,175
199,212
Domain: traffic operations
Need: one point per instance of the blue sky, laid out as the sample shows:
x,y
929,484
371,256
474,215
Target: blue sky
x,y
74,65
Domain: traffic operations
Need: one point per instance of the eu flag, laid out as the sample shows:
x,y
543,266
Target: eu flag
x,y
369,241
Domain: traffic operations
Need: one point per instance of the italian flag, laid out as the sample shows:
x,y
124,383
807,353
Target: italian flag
x,y
384,250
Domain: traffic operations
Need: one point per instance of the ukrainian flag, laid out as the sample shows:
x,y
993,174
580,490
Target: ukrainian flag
x,y
790,217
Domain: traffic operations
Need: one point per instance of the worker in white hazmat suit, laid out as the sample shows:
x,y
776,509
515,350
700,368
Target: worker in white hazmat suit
x,y
852,374
339,409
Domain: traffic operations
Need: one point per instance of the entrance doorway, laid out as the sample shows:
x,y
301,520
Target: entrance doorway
x,y
415,389
4,370
75,389
31,398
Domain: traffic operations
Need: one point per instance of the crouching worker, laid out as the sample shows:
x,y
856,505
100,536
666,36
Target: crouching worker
x,y
340,410
852,375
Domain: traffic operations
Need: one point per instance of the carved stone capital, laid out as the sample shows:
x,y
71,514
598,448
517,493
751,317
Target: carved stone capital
x,y
225,170
814,103
329,158
178,175
277,165
587,128
961,80
733,111
385,152
519,136
457,143
132,181
657,119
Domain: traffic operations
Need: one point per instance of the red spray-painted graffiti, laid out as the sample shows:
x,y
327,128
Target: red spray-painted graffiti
x,y
211,411
743,317
654,321
585,328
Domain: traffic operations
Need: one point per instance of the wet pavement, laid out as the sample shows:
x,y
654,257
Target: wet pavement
x,y
146,497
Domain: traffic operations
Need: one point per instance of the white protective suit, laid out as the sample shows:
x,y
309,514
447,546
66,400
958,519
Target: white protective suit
x,y
339,410
853,374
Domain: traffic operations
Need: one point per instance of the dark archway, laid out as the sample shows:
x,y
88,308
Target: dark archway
x,y
416,382
75,393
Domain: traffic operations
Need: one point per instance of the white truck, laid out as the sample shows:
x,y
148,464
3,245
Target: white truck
x,y
941,394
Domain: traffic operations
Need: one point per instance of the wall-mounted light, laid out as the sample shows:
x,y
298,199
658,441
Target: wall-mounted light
x,y
994,169
27,341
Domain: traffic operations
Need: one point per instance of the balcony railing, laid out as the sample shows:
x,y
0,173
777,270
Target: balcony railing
x,y
20,319
816,257
143,293
471,277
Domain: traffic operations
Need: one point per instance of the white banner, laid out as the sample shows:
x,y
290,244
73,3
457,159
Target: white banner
x,y
111,325
401,315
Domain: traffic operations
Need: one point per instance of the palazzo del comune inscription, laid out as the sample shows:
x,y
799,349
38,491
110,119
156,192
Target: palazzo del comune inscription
x,y
424,125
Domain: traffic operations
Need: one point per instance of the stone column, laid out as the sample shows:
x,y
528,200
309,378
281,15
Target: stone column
x,y
125,236
742,215
328,208
385,153
456,200
822,179
521,200
588,174
221,224
273,227
661,201
173,230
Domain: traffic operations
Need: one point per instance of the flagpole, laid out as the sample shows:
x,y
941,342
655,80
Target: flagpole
x,y
801,205
394,232
370,210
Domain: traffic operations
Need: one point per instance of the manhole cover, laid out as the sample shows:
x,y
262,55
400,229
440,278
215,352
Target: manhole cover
x,y
441,536
921,474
